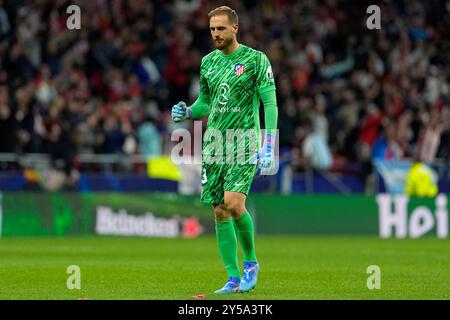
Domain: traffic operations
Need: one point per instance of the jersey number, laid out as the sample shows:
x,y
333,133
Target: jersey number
x,y
204,178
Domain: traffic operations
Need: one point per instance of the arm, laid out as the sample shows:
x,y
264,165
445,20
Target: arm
x,y
266,89
269,100
266,155
200,107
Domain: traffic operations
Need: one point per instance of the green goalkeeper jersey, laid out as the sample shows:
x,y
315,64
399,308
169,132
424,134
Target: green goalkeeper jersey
x,y
231,85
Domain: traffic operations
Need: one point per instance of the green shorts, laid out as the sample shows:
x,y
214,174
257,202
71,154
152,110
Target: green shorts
x,y
218,178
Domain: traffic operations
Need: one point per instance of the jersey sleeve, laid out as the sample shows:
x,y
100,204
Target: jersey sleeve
x,y
200,107
264,78
204,90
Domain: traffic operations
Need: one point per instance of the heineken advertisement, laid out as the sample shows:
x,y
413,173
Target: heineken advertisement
x,y
171,215
122,214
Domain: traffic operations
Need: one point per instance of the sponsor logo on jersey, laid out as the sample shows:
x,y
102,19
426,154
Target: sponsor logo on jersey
x,y
269,73
239,69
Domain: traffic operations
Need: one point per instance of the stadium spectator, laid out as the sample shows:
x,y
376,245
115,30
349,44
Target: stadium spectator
x,y
130,55
386,147
8,125
112,136
315,149
149,139
431,136
88,135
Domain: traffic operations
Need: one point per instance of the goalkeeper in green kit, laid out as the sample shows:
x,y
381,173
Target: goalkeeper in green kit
x,y
233,80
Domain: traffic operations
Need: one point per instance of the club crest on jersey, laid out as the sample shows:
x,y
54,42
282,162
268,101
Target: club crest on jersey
x,y
239,69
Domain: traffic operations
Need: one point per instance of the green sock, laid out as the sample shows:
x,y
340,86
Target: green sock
x,y
244,230
227,242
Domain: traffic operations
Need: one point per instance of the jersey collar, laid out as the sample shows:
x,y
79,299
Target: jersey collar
x,y
239,49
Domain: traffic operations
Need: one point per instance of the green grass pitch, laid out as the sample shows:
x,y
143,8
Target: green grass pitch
x,y
291,268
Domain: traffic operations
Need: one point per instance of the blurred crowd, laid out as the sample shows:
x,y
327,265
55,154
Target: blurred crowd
x,y
345,93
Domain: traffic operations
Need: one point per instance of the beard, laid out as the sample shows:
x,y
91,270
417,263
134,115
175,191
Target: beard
x,y
222,44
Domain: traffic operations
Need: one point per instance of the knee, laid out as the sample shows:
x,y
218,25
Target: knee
x,y
221,213
235,208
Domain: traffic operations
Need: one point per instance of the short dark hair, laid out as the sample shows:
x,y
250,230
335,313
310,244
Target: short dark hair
x,y
232,15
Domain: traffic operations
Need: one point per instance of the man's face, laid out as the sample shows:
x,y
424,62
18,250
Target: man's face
x,y
222,31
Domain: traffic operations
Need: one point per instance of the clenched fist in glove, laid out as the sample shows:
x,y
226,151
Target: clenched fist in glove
x,y
181,112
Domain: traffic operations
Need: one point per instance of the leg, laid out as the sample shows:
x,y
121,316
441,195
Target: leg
x,y
234,203
243,223
227,242
238,181
212,193
220,213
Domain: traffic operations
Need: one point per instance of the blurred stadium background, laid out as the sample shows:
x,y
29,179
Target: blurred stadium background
x,y
85,121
